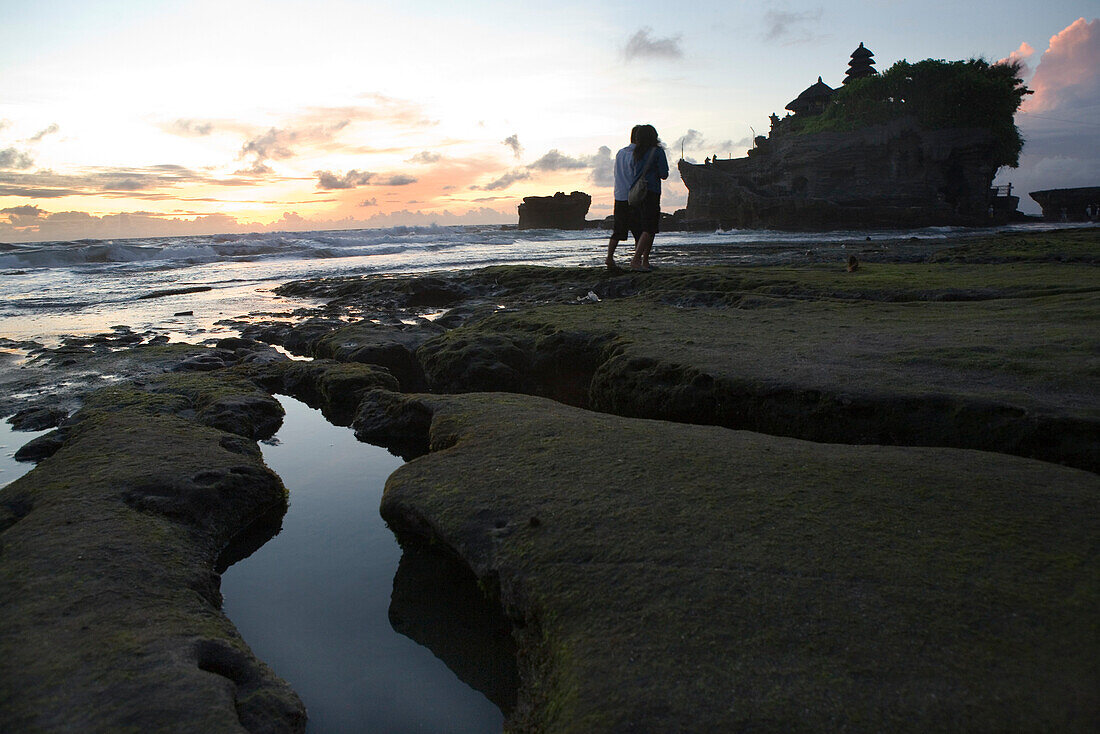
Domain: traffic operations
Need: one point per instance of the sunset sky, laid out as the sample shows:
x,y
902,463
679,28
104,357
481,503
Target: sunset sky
x,y
124,118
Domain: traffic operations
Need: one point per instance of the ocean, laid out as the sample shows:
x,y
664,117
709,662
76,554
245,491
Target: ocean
x,y
52,289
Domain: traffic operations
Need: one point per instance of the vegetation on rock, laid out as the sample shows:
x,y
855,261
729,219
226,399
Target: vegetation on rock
x,y
939,94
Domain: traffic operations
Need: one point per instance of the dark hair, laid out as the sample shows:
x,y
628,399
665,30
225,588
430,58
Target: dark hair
x,y
644,137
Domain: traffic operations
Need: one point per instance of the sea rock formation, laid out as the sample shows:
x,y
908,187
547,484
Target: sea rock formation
x,y
1069,205
560,211
895,174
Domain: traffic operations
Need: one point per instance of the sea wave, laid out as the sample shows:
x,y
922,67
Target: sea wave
x,y
183,251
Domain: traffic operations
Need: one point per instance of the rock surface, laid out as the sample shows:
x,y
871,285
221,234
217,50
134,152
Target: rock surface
x,y
664,576
110,616
560,211
992,356
891,175
692,578
1068,205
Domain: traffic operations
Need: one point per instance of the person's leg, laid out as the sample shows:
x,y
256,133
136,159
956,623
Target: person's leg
x,y
611,245
641,252
619,229
651,218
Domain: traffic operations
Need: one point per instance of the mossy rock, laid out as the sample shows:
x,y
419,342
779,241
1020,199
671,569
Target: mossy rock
x,y
669,577
1011,375
392,347
334,387
110,616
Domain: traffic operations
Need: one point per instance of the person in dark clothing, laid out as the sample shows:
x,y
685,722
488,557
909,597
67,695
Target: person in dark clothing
x,y
649,158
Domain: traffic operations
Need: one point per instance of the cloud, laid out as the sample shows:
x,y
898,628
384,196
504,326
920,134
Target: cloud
x,y
354,178
49,130
603,168
1020,55
146,182
1068,73
556,161
397,179
12,158
258,168
504,181
425,157
27,210
512,141
274,143
189,128
1059,122
790,27
351,179
280,143
691,140
4,123
369,202
643,46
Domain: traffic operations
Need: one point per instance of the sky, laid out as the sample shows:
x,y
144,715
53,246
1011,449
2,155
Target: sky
x,y
127,118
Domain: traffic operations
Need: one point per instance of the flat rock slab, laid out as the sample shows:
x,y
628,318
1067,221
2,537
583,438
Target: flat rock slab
x,y
696,578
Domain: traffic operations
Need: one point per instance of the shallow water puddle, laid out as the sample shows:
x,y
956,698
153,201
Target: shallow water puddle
x,y
10,442
314,602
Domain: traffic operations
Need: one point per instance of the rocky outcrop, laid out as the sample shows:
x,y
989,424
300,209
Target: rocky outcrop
x,y
690,578
560,211
891,175
1069,205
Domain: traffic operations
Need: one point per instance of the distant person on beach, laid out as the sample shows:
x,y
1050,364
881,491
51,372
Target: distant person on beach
x,y
650,162
624,179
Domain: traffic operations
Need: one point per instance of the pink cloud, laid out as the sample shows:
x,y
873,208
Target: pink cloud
x,y
1068,73
1021,55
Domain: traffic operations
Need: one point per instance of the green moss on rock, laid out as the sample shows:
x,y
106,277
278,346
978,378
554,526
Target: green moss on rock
x,y
694,578
110,614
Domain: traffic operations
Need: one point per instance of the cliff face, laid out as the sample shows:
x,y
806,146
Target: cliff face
x,y
560,211
890,175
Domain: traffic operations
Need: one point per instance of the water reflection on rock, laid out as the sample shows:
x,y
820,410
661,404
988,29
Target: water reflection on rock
x,y
437,603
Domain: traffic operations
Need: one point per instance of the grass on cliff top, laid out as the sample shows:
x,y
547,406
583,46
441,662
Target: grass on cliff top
x,y
690,578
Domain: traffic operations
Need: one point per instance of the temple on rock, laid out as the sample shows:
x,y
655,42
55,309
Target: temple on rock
x,y
861,65
883,165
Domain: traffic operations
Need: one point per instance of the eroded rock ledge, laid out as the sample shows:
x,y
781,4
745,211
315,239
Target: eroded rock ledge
x,y
110,614
690,578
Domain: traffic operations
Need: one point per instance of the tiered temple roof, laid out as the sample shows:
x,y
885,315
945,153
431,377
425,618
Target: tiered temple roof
x,y
861,65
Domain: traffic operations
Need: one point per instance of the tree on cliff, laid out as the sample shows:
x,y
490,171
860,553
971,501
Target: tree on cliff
x,y
938,94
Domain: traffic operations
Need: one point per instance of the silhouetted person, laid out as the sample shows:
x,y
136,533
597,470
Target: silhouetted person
x,y
649,161
623,222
